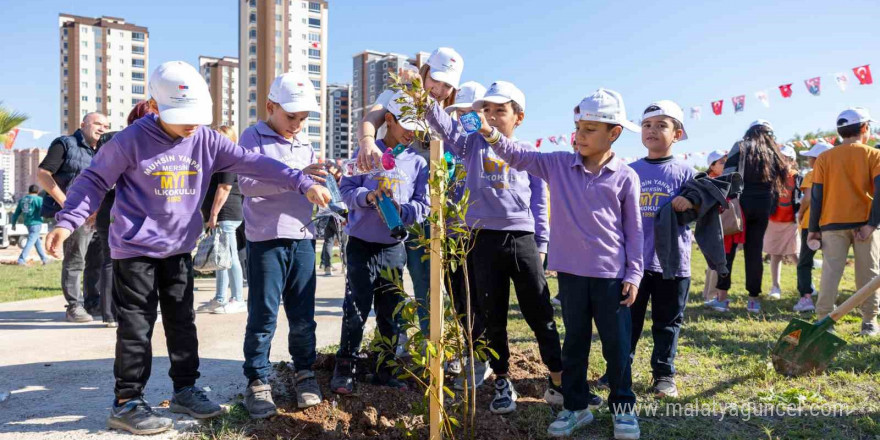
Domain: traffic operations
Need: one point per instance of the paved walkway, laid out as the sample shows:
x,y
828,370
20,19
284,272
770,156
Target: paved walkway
x,y
60,374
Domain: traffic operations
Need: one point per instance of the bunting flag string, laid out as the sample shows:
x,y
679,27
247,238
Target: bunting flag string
x,y
814,85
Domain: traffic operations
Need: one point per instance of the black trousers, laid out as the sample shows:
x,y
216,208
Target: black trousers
x,y
94,270
668,299
805,266
502,256
105,285
141,285
585,299
756,214
455,285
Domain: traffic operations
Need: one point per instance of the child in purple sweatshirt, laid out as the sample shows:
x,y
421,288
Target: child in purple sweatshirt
x,y
162,167
371,248
508,211
596,247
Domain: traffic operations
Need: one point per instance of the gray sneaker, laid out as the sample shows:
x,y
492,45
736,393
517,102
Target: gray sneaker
x,y
870,328
308,393
665,387
258,400
136,417
482,371
193,401
78,314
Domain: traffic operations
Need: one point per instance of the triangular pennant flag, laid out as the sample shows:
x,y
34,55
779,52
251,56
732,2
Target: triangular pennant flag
x,y
831,139
785,89
562,139
572,138
553,140
814,85
538,143
10,138
696,113
863,73
763,98
739,103
717,106
842,80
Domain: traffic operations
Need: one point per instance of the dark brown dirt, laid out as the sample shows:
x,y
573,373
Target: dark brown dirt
x,y
382,413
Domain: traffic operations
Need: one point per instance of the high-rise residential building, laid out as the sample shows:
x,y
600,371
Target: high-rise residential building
x,y
372,75
27,162
280,36
221,74
103,69
339,123
7,171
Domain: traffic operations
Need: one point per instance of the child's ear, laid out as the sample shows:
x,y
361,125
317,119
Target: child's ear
x,y
519,119
616,132
389,118
678,134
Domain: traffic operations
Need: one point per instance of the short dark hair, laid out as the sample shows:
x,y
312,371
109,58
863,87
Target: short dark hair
x,y
851,130
33,189
676,124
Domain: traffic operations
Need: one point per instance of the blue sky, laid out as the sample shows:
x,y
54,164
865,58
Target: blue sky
x,y
690,52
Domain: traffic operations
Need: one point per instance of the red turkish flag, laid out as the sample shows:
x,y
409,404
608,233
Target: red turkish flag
x,y
831,139
316,45
538,143
10,138
572,138
717,106
785,89
863,73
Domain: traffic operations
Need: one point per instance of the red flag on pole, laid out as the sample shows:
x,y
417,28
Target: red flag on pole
x,y
863,73
10,138
785,89
538,143
717,106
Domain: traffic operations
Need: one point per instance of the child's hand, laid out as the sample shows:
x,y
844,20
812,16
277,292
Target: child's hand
x,y
55,240
319,195
369,154
814,236
373,197
316,171
543,257
485,128
629,294
681,204
864,232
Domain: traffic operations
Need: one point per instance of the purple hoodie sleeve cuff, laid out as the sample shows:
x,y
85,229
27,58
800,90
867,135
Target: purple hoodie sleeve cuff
x,y
542,247
633,278
66,224
306,184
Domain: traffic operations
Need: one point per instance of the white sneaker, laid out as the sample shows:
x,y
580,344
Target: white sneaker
x,y
504,401
231,307
626,427
482,371
568,421
775,293
805,304
209,306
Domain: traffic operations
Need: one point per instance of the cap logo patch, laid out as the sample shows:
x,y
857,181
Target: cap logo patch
x,y
182,87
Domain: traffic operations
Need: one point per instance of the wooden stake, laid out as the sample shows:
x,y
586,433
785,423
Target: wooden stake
x,y
436,301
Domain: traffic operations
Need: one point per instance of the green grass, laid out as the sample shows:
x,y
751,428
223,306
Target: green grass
x,y
20,283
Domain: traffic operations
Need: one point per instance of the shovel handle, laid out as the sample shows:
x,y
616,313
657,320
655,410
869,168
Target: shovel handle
x,y
858,298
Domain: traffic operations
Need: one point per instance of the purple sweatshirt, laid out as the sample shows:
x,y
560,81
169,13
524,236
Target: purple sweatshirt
x,y
661,180
271,211
596,229
160,185
410,191
501,198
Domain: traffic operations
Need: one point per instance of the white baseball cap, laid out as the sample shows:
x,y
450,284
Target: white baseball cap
x,y
466,95
500,92
763,122
446,66
604,106
788,151
854,115
294,92
817,149
668,108
181,94
715,155
395,107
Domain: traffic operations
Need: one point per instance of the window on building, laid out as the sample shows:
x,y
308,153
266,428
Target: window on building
x,y
85,57
99,86
137,50
314,130
252,96
65,31
252,80
253,3
135,101
65,45
252,18
137,89
84,99
315,22
253,49
65,112
83,29
137,63
65,72
316,83
139,76
100,59
314,68
137,36
252,66
316,146
315,116
252,112
277,17
85,44
313,37
314,7
98,99
315,53
252,33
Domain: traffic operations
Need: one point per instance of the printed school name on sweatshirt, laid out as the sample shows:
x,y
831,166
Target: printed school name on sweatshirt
x,y
173,172
654,194
495,172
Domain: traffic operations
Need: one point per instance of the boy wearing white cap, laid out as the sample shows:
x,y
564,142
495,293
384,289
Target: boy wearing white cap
x,y
845,211
662,177
440,76
162,166
281,247
509,213
372,248
465,97
805,259
596,247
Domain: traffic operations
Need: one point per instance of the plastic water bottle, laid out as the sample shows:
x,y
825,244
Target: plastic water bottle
x,y
336,204
470,122
392,217
350,168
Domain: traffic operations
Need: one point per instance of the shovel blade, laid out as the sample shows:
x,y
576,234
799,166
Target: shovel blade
x,y
805,348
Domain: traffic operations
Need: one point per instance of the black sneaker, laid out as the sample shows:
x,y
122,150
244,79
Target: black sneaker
x,y
602,383
193,401
136,417
343,380
665,387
